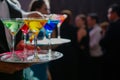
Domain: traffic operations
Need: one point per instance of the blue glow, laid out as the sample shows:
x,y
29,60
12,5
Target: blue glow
x,y
50,26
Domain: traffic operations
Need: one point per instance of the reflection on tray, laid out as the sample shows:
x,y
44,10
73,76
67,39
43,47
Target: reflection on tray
x,y
30,59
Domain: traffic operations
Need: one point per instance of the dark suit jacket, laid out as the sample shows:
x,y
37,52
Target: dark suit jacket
x,y
4,46
3,42
111,42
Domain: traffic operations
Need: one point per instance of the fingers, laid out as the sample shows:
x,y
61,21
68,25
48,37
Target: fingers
x,y
30,47
11,68
20,46
34,14
21,66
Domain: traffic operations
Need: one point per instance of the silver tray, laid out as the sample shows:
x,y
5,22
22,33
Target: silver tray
x,y
43,55
54,41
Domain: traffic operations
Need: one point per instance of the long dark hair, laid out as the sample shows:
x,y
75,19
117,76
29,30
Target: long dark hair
x,y
116,8
36,4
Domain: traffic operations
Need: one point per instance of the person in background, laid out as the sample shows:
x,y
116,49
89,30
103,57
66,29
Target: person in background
x,y
9,71
95,35
111,43
39,71
67,30
82,35
96,53
104,26
82,46
66,68
80,21
39,5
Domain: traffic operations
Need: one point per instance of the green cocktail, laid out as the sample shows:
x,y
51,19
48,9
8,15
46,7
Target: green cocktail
x,y
13,25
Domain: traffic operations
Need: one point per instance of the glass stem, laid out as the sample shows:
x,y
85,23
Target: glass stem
x,y
25,49
35,49
13,44
44,34
49,46
58,27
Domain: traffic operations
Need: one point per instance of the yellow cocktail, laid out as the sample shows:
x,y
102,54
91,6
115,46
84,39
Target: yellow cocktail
x,y
35,25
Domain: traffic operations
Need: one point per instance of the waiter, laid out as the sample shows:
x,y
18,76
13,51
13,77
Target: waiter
x,y
10,71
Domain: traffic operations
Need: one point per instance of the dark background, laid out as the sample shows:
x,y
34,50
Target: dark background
x,y
83,6
78,6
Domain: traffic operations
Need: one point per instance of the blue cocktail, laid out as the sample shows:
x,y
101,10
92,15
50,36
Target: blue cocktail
x,y
49,27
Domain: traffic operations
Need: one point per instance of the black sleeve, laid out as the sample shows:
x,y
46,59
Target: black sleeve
x,y
18,37
3,41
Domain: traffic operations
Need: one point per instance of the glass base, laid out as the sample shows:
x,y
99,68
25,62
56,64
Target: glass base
x,y
36,57
14,57
59,37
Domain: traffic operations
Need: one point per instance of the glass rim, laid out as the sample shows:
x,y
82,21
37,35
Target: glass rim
x,y
24,19
35,19
11,18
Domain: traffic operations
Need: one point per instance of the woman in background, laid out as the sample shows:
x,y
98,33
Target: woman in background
x,y
82,36
82,46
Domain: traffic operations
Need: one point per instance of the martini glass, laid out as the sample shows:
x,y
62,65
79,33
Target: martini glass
x,y
49,27
48,17
35,25
24,29
61,18
13,25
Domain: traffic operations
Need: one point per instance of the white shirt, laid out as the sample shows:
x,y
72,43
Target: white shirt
x,y
95,37
4,13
